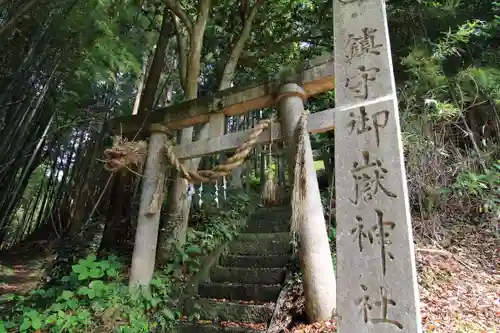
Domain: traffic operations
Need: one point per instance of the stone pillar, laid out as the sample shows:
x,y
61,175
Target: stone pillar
x,y
153,187
378,289
314,249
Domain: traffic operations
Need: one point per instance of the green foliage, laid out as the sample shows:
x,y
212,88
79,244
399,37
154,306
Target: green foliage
x,y
95,294
284,35
448,85
92,297
483,187
212,227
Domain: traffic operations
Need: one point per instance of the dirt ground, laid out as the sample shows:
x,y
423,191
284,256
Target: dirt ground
x,y
21,270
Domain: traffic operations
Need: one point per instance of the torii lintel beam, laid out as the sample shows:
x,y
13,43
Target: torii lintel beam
x,y
316,77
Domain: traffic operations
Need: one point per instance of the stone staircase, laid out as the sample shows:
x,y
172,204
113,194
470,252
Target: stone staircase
x,y
245,285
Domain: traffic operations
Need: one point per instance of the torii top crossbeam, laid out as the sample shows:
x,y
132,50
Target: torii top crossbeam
x,y
315,78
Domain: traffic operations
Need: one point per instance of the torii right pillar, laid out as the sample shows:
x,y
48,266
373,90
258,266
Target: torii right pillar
x,y
377,289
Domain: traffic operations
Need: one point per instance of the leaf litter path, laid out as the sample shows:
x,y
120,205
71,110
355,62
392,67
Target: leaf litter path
x,y
21,270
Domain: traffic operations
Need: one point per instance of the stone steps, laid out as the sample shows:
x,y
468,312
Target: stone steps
x,y
281,209
255,261
240,292
248,275
267,227
230,311
262,244
253,270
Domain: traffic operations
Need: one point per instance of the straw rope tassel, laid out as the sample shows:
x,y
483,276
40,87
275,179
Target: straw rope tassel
x,y
271,191
300,176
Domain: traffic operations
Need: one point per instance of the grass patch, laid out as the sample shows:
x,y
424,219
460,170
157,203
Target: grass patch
x,y
319,165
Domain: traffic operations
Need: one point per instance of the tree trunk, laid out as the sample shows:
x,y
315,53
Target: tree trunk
x,y
16,17
147,99
146,103
262,170
179,202
117,227
328,166
236,174
314,249
143,259
140,84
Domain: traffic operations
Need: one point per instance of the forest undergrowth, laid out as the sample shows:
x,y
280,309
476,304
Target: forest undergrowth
x,y
458,282
95,296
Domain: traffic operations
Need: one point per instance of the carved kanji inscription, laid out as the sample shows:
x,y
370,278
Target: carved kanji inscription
x,y
358,46
364,123
382,232
360,234
377,233
368,179
374,243
375,247
359,82
366,305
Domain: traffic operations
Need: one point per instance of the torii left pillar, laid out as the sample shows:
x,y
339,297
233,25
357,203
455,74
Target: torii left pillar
x,y
153,186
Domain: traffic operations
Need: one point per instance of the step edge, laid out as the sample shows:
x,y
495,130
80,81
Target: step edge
x,y
255,256
263,269
270,233
235,284
233,303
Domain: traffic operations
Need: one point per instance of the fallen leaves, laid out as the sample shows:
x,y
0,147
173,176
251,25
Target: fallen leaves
x,y
459,287
254,326
460,292
329,326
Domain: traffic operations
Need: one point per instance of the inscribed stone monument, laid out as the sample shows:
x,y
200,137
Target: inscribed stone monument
x,y
377,290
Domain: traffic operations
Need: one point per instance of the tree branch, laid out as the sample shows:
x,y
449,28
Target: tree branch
x,y
181,14
196,44
16,17
229,69
182,50
146,103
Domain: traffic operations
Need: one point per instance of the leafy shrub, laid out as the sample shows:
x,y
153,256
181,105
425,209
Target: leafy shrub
x,y
95,295
212,227
92,296
482,188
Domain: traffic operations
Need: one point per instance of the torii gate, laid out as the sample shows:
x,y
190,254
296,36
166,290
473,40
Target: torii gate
x,y
376,275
